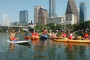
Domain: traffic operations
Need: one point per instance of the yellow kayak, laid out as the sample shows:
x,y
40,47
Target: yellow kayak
x,y
72,41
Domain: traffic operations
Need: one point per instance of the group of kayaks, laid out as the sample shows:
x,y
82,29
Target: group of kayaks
x,y
35,38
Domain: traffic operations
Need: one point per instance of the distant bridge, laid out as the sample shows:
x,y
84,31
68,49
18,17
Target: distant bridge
x,y
32,26
16,27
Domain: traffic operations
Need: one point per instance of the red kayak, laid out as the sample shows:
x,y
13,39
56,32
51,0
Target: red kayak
x,y
27,37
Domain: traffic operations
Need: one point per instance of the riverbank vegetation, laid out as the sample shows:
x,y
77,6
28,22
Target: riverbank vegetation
x,y
74,27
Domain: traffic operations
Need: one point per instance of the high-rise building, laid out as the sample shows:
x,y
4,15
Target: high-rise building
x,y
43,14
36,11
72,8
6,20
24,17
52,8
82,14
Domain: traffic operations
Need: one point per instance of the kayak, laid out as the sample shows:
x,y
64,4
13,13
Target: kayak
x,y
17,41
27,37
44,37
72,41
54,38
32,38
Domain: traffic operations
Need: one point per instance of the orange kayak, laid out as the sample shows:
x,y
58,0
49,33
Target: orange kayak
x,y
34,38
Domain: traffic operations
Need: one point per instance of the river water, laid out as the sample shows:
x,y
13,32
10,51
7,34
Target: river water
x,y
42,50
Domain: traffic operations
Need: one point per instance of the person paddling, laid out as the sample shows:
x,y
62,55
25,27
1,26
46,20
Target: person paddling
x,y
50,34
64,35
85,34
13,34
36,34
70,35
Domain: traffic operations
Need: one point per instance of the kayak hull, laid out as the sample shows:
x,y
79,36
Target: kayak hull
x,y
54,38
27,37
32,38
44,37
17,41
72,41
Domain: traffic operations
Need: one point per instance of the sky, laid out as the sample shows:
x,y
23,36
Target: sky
x,y
12,8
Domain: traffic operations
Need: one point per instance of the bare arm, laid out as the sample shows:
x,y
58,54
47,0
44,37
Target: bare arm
x,y
82,32
74,32
18,31
8,31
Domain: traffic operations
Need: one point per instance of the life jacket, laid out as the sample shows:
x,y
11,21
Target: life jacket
x,y
33,34
36,34
64,35
86,36
70,37
44,32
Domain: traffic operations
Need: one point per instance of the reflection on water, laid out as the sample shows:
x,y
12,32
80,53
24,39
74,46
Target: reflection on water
x,y
43,49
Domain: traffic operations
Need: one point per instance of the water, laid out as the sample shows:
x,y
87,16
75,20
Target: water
x,y
42,50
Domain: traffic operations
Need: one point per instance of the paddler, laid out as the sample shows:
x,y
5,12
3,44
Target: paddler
x,y
50,34
70,35
54,34
61,32
45,32
64,35
86,36
33,33
36,34
13,34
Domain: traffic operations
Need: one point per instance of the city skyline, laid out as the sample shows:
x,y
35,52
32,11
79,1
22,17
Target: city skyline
x,y
12,8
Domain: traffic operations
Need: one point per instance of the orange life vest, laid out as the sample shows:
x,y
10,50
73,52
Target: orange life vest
x,y
70,37
86,36
44,32
36,34
33,34
64,35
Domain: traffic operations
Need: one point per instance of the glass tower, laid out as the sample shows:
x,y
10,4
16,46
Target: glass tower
x,y
24,17
82,14
52,8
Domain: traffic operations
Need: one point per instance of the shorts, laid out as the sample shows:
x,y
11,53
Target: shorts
x,y
13,38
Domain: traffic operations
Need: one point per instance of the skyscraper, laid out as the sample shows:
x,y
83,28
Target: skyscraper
x,y
52,8
71,8
6,20
43,14
82,14
36,11
23,17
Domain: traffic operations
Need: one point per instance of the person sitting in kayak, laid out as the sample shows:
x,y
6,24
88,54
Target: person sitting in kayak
x,y
70,35
50,34
64,35
33,33
54,34
13,34
36,34
44,32
85,34
61,32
